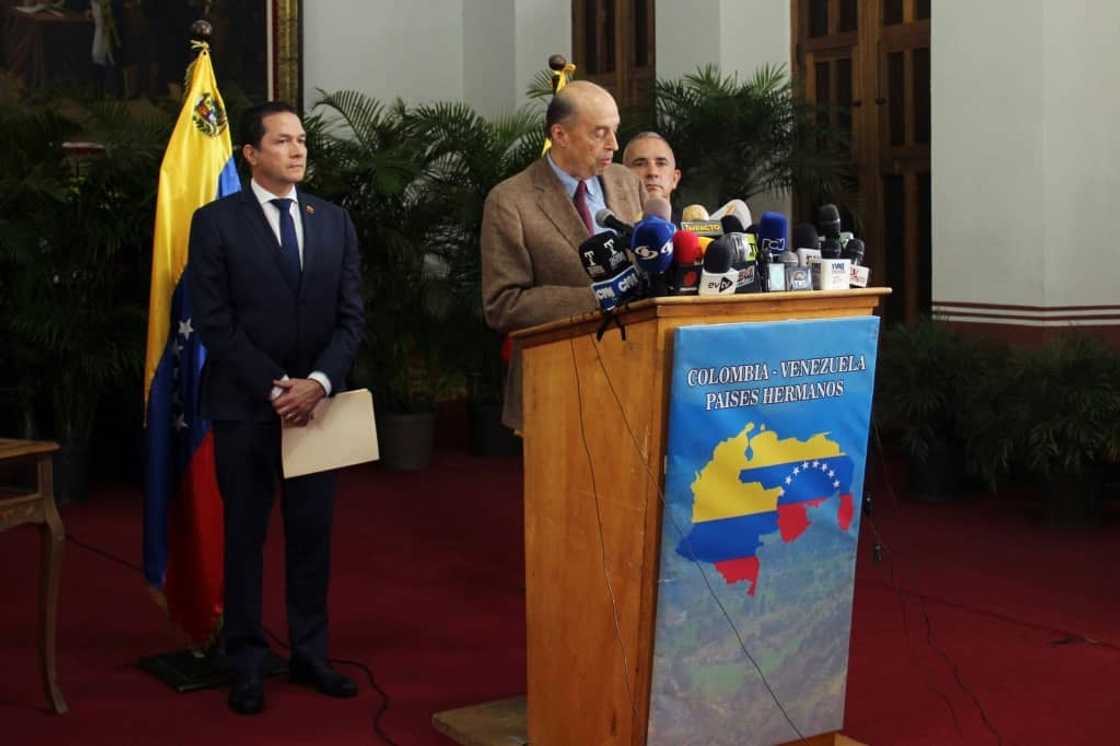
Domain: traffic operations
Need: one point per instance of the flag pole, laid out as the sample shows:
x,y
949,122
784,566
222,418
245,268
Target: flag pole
x,y
203,665
561,73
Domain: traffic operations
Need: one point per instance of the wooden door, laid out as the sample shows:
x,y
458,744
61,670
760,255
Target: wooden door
x,y
613,45
870,60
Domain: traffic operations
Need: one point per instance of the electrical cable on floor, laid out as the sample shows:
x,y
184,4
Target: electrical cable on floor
x,y
666,511
930,640
378,713
881,551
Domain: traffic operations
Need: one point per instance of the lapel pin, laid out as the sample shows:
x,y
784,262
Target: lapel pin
x,y
309,209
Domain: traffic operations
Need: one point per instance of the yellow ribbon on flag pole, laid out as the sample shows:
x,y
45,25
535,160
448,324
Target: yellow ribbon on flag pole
x,y
561,73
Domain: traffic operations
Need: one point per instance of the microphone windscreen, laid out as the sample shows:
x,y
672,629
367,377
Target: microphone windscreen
x,y
601,255
657,207
855,250
705,242
606,218
805,236
717,259
694,212
652,244
732,224
772,230
828,220
686,248
736,207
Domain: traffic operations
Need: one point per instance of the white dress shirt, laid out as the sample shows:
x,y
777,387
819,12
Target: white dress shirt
x,y
272,213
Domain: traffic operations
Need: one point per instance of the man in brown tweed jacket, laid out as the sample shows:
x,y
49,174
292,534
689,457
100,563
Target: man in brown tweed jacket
x,y
532,227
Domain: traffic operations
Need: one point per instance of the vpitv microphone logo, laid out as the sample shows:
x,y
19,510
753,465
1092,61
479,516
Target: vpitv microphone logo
x,y
718,285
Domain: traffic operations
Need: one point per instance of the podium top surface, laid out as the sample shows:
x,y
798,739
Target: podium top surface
x,y
716,308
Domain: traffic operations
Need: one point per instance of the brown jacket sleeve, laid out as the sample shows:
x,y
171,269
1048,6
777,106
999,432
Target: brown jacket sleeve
x,y
513,293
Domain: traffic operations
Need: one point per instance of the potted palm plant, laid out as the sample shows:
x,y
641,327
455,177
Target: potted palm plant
x,y
923,373
76,239
366,157
736,138
468,156
1068,424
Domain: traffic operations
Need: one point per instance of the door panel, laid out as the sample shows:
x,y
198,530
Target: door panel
x,y
871,59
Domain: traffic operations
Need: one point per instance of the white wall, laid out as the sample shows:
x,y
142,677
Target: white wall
x,y
738,35
489,49
687,36
544,28
385,48
484,52
1082,152
988,151
1025,156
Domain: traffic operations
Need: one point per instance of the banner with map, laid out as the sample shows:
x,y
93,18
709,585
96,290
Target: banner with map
x,y
768,426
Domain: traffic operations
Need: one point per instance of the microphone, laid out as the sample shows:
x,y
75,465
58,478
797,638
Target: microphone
x,y
772,230
828,220
854,251
608,219
732,224
736,207
805,237
657,207
744,261
717,277
694,212
614,279
688,260
652,246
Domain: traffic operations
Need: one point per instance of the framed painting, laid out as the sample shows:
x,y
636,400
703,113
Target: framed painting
x,y
130,49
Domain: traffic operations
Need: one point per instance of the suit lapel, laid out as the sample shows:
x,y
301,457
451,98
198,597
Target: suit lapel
x,y
614,194
557,205
310,244
266,239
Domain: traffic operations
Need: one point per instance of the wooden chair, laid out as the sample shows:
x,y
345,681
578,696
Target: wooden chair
x,y
19,507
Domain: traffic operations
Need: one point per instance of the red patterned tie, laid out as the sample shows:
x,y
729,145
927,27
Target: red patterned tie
x,y
581,205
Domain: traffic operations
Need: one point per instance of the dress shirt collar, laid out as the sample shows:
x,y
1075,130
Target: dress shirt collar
x,y
570,182
265,197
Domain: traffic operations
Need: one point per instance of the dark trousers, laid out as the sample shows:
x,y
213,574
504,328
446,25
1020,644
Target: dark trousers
x,y
247,458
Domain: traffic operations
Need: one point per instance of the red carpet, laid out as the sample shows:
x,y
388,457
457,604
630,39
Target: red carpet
x,y
1003,630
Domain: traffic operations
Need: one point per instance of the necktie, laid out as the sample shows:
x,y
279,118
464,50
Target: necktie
x,y
580,200
289,244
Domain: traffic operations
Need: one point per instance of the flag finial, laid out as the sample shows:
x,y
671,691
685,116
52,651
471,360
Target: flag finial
x,y
202,30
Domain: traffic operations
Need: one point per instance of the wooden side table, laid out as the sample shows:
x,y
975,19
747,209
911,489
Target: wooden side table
x,y
17,508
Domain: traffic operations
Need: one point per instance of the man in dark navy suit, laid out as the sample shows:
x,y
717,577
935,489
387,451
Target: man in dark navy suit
x,y
275,282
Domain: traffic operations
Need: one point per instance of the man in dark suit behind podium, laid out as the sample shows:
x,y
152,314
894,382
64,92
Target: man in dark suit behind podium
x,y
274,281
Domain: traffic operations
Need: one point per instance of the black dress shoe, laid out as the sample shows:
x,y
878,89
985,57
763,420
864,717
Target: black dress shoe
x,y
246,697
321,677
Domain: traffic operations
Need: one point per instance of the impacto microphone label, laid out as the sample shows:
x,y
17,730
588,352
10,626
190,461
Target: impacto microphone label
x,y
709,228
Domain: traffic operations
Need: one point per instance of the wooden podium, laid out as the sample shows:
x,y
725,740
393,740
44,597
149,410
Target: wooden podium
x,y
595,432
595,436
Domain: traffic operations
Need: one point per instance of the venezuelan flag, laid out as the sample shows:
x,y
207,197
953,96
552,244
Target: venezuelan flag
x,y
182,507
739,501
